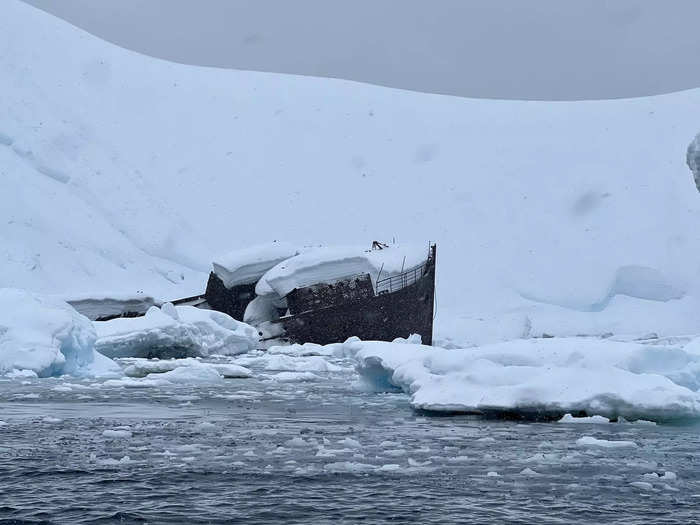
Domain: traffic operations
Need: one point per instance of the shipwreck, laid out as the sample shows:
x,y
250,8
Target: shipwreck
x,y
321,294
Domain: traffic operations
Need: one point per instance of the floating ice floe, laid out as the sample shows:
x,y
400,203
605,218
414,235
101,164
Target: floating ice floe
x,y
44,336
194,373
306,350
284,363
589,441
568,418
293,377
539,377
175,331
143,367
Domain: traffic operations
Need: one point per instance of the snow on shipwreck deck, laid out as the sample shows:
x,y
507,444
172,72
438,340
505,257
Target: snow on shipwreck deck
x,y
321,265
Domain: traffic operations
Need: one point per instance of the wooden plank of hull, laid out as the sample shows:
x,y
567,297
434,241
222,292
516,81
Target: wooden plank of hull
x,y
383,317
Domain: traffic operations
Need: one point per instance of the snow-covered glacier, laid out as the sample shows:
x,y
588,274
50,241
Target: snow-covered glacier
x,y
122,174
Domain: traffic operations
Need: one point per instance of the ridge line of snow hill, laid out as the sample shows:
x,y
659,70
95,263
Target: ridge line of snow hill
x,y
539,378
170,164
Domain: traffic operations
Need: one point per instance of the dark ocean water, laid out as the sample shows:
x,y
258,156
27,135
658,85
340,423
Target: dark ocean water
x,y
261,450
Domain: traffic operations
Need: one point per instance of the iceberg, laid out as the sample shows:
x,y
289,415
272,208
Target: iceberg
x,y
175,331
539,378
48,337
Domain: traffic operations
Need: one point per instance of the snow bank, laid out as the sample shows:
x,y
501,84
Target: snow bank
x,y
247,265
539,377
46,336
327,265
175,331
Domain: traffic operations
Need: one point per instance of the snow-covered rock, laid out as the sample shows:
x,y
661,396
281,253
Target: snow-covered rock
x,y
247,265
693,159
175,331
46,336
539,377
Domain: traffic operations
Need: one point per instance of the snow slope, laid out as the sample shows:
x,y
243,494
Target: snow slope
x,y
123,173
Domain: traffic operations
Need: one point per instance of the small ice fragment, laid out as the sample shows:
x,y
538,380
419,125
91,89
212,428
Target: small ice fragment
x,y
643,485
568,418
390,467
351,443
348,467
205,427
296,442
117,434
588,441
49,419
493,474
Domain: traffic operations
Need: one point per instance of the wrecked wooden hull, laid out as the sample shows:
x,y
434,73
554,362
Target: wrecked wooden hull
x,y
384,316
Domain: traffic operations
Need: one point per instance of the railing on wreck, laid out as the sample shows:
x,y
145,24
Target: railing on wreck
x,y
402,280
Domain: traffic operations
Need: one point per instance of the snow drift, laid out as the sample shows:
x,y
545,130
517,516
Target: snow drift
x,y
46,336
539,377
329,264
122,172
247,265
175,331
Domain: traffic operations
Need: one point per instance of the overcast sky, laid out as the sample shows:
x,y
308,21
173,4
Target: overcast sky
x,y
523,49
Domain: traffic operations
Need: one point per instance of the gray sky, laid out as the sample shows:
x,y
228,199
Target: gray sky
x,y
535,49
